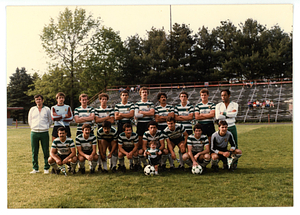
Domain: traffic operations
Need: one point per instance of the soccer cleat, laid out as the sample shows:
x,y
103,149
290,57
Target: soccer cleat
x,y
73,171
53,171
46,171
163,167
100,168
156,173
172,168
57,171
92,171
34,171
225,167
82,170
131,167
215,168
114,169
105,171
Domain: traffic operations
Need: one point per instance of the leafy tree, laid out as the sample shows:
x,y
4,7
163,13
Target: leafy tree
x,y
20,83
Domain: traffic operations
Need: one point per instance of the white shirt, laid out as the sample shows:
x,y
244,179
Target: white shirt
x,y
228,114
39,121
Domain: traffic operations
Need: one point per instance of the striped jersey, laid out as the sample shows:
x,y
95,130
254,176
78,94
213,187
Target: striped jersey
x,y
177,133
121,108
185,111
104,112
153,152
128,142
204,109
157,138
144,106
86,144
58,113
163,111
63,148
197,144
84,112
220,143
112,135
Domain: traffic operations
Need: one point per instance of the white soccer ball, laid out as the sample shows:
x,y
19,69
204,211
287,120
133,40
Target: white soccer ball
x,y
149,170
197,170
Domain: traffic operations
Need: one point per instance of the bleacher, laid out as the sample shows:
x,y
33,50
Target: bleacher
x,y
280,92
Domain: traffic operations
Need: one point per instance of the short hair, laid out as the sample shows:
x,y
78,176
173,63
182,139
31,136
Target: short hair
x,y
170,119
222,122
198,126
85,125
161,94
103,95
152,122
124,91
226,90
106,124
204,91
38,95
127,125
184,92
60,94
153,142
61,129
82,95
144,88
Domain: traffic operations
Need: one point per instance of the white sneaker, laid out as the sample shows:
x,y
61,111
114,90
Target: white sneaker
x,y
34,171
46,171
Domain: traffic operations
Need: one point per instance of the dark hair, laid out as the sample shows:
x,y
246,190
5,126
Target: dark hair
x,y
144,88
61,129
170,118
85,125
161,94
124,91
152,123
226,90
103,95
60,94
222,122
127,125
38,95
183,92
204,91
198,126
83,95
106,124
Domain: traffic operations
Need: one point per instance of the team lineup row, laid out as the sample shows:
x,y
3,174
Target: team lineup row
x,y
197,146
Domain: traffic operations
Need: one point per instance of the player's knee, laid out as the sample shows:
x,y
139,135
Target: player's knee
x,y
74,159
141,152
185,156
165,151
81,158
120,155
96,157
206,156
214,156
51,160
238,151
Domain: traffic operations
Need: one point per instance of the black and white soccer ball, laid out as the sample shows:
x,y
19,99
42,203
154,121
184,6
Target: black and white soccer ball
x,y
149,170
197,170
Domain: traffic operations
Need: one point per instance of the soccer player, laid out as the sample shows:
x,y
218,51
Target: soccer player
x,y
153,155
153,134
163,111
198,148
62,152
184,112
39,120
176,135
128,146
107,136
86,144
228,110
205,113
61,114
84,114
104,113
219,147
124,111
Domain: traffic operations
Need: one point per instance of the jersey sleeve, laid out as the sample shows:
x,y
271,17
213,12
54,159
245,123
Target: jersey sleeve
x,y
54,115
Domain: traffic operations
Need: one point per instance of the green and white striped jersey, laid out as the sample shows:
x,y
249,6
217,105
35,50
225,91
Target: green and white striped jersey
x,y
157,137
153,152
204,109
185,111
144,106
121,108
86,144
101,113
163,111
197,144
128,142
63,148
112,135
177,133
84,112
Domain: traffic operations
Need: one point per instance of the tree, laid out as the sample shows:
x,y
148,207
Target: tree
x,y
20,83
66,42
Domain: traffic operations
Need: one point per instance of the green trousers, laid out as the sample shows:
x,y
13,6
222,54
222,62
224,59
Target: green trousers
x,y
42,137
232,129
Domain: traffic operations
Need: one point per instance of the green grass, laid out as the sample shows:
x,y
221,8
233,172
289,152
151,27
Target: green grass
x,y
264,178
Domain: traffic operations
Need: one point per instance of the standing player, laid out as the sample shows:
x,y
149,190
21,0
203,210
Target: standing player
x,y
153,134
184,112
62,152
219,147
144,112
104,113
61,114
124,111
176,135
198,148
205,113
84,114
163,111
107,136
128,146
86,145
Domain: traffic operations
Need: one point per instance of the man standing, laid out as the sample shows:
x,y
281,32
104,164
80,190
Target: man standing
x,y
104,113
61,114
163,111
205,113
84,114
39,120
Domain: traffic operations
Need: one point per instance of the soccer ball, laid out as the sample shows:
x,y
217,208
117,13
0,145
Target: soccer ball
x,y
149,170
197,170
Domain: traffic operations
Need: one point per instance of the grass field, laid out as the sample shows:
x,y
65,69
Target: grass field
x,y
264,178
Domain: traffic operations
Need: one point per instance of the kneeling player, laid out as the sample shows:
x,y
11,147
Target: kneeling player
x,y
128,146
219,144
198,148
176,135
153,155
62,152
86,144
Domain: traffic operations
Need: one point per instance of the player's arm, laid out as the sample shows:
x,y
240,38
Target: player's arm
x,y
189,147
127,115
102,119
69,115
54,115
162,144
148,113
120,147
73,154
233,113
94,152
184,118
53,154
159,118
170,147
144,147
114,145
201,116
186,135
136,146
219,115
